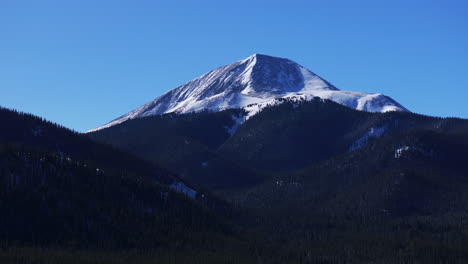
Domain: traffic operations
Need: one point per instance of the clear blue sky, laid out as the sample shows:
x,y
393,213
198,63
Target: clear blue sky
x,y
83,63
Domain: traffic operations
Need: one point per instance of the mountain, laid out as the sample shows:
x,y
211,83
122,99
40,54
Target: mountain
x,y
292,177
253,83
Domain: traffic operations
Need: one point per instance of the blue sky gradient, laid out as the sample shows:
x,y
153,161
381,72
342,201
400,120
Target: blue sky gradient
x,y
83,63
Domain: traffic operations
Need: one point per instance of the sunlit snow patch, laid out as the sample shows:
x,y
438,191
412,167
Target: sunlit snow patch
x,y
371,133
238,120
182,188
399,151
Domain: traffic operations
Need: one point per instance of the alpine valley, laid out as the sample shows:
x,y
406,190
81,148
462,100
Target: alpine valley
x,y
259,161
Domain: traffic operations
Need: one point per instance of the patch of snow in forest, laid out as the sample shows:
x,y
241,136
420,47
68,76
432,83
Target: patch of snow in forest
x,y
399,151
238,121
182,188
371,133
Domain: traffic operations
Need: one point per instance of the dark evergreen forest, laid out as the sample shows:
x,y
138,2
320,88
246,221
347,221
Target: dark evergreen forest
x,y
300,182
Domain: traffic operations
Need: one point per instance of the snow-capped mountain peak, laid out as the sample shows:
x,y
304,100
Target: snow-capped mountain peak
x,y
265,76
252,83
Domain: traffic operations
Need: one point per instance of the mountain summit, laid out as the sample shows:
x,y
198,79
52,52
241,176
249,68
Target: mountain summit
x,y
252,83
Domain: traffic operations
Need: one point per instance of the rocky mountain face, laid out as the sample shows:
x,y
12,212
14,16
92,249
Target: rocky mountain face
x,y
252,84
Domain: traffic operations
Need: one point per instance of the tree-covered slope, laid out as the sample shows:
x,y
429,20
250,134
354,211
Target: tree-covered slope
x,y
59,188
187,144
356,188
282,138
295,134
400,199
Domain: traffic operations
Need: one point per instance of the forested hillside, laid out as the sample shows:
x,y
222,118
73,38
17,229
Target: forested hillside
x,y
58,189
401,199
280,139
301,182
187,144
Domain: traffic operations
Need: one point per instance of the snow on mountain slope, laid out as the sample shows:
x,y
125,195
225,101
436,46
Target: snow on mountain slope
x,y
253,83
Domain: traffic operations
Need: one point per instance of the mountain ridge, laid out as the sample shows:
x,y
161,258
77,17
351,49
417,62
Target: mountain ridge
x,y
251,84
